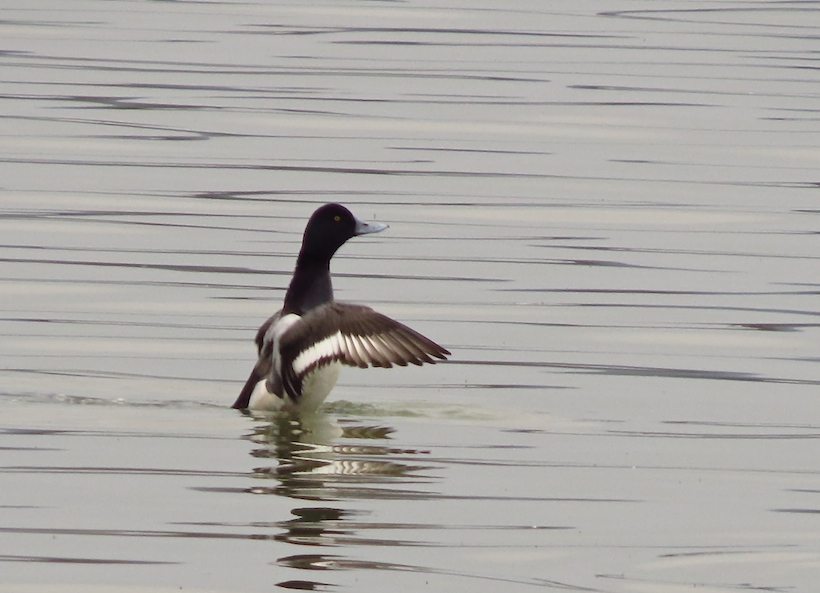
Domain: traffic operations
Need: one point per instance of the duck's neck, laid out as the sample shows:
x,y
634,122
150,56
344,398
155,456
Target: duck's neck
x,y
309,288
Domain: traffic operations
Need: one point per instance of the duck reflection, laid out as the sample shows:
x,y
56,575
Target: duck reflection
x,y
319,457
326,459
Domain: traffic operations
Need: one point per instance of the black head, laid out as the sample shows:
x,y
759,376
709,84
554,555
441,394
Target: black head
x,y
328,229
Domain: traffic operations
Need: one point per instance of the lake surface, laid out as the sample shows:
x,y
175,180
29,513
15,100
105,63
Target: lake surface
x,y
607,211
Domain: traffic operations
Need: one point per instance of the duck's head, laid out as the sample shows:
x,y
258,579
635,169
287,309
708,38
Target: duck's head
x,y
328,229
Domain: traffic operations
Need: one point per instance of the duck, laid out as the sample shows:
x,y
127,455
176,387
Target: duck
x,y
302,347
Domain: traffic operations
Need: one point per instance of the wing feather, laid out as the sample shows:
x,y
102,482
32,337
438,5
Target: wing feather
x,y
354,335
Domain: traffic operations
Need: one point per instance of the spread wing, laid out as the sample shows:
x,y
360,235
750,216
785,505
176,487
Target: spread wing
x,y
354,335
263,366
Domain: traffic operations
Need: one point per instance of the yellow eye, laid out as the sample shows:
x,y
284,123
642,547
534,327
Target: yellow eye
x,y
337,218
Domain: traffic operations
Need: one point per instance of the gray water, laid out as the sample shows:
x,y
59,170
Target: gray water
x,y
607,211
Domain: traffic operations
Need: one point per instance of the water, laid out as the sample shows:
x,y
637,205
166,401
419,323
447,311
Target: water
x,y
607,211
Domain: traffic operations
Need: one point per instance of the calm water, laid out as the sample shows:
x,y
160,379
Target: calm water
x,y
608,211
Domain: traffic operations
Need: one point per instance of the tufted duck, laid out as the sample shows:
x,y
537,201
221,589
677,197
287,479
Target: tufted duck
x,y
302,347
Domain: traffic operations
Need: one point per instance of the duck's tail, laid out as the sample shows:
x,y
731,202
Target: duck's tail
x,y
244,398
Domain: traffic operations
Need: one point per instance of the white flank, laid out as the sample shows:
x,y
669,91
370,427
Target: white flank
x,y
315,388
262,399
317,385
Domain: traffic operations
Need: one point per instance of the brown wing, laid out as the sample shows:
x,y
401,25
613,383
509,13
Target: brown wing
x,y
263,366
354,335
